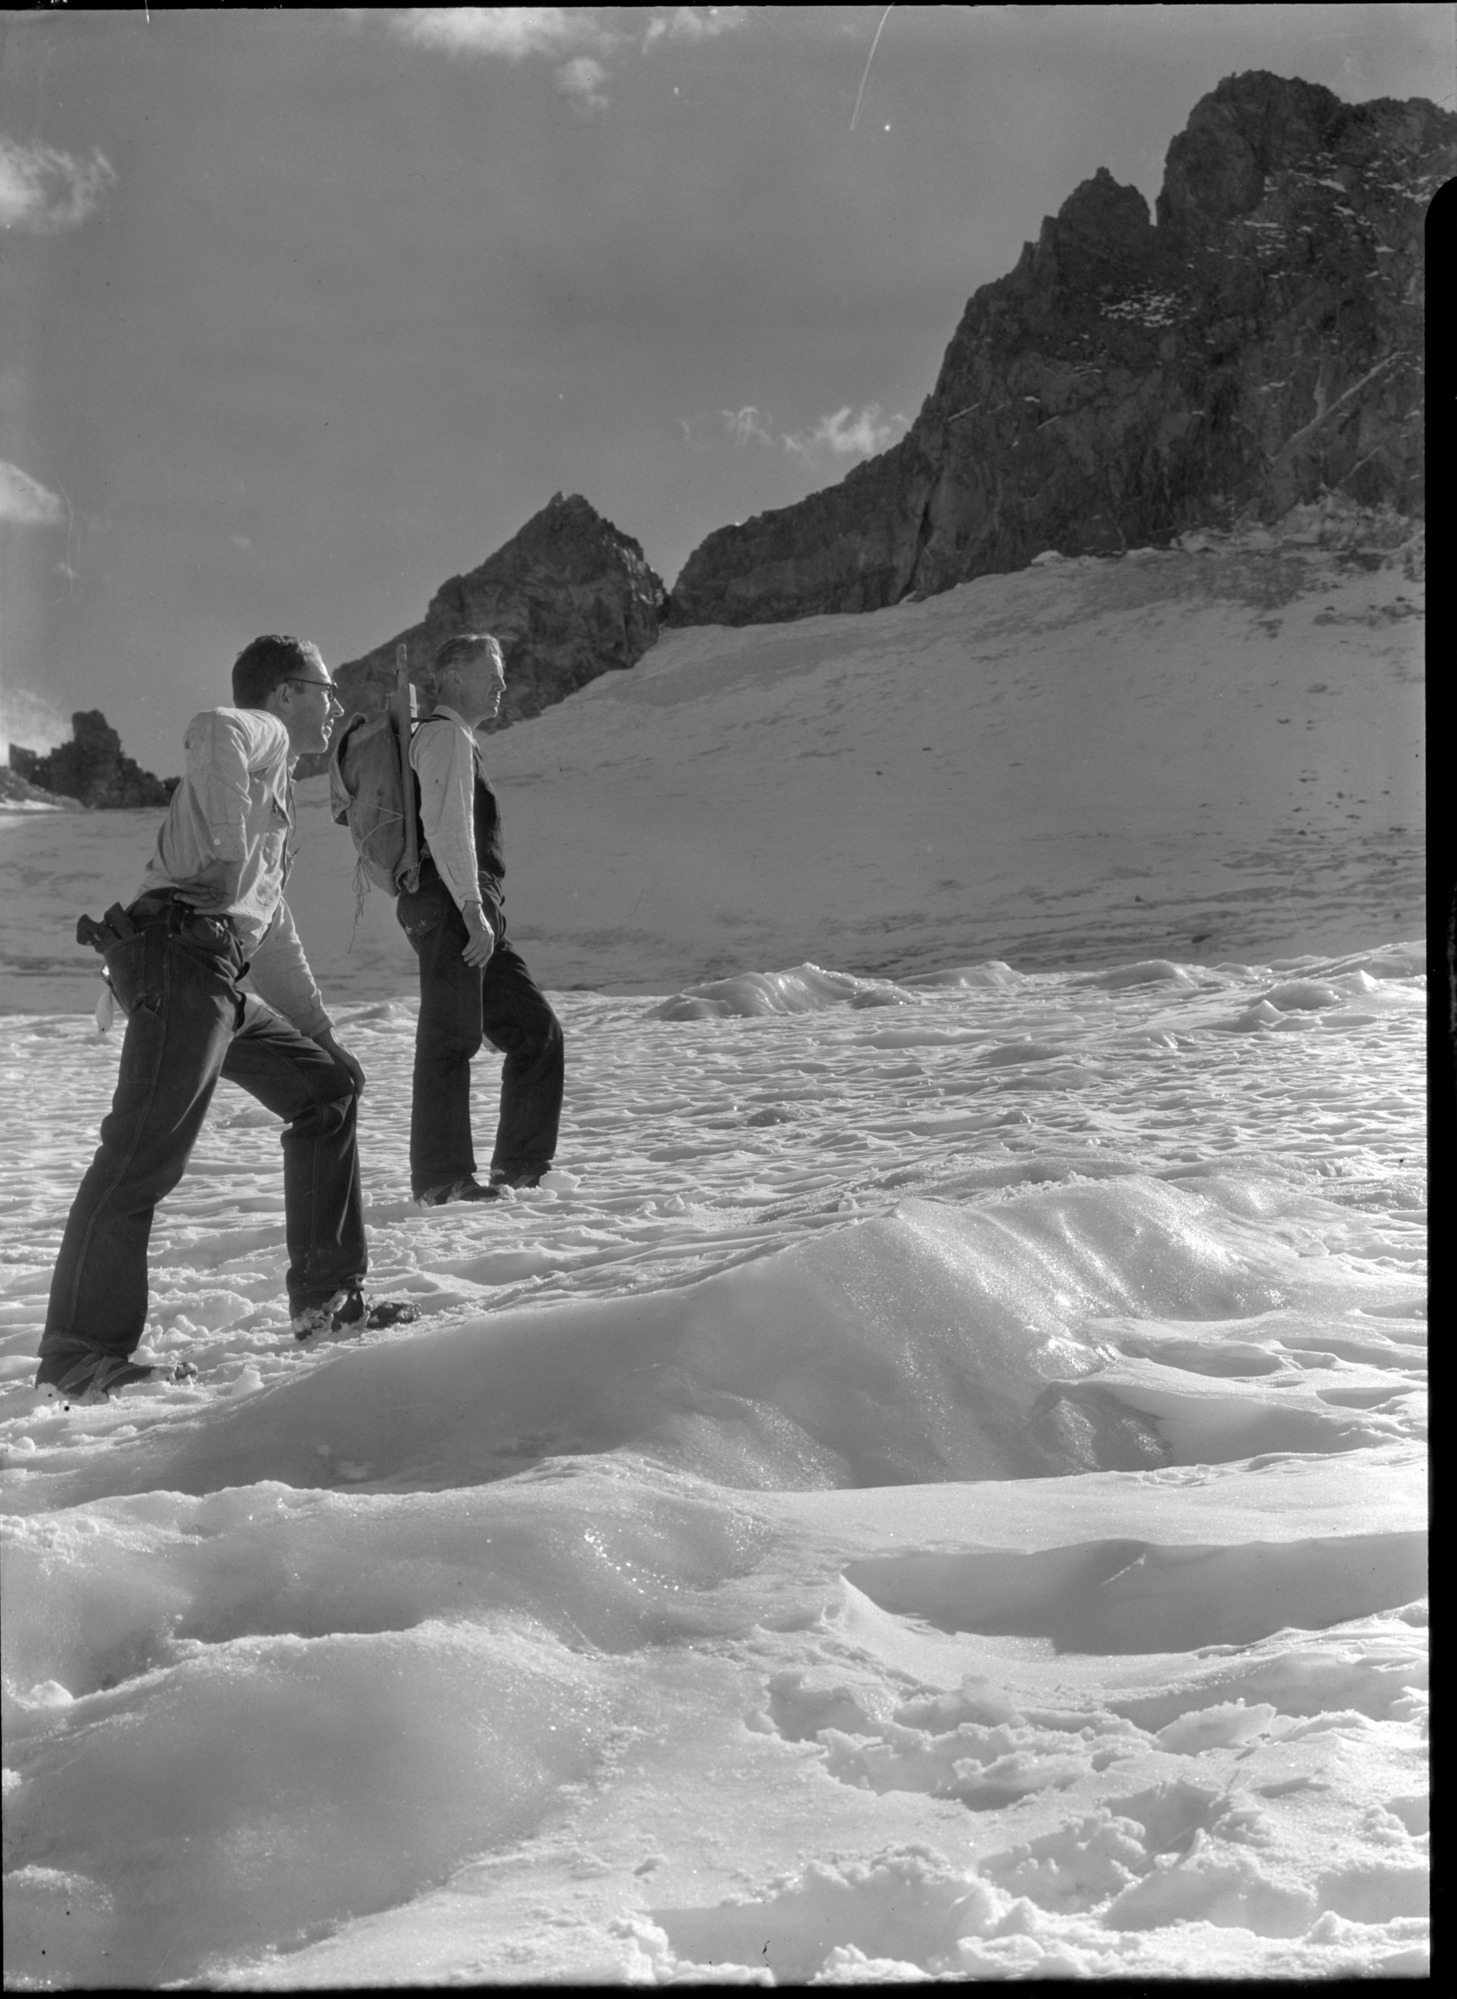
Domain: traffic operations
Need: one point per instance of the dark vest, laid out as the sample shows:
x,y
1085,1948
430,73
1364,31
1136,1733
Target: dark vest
x,y
490,865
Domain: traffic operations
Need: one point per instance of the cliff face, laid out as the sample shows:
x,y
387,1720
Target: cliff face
x,y
91,768
17,794
1258,342
569,597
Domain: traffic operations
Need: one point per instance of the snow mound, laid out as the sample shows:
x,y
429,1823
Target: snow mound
x,y
748,995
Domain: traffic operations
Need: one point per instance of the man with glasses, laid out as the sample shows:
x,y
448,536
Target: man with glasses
x,y
210,909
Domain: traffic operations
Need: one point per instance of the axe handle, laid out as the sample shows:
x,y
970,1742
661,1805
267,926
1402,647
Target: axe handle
x,y
400,706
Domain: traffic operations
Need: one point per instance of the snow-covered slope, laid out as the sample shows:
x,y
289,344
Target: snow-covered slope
x,y
1208,752
933,1484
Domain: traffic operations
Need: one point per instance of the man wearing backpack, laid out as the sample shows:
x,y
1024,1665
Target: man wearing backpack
x,y
474,986
210,909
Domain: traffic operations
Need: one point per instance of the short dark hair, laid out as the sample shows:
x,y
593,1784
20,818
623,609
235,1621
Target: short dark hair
x,y
261,665
462,646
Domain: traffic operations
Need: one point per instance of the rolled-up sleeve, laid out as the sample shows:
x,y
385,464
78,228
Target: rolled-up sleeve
x,y
208,840
219,757
227,827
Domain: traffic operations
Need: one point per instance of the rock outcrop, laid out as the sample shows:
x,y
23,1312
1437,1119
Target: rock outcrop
x,y
18,795
1256,344
91,768
569,597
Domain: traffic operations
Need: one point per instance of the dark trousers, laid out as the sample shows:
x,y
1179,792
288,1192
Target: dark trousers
x,y
462,1005
186,1027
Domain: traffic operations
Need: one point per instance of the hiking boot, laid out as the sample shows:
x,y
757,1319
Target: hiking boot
x,y
348,1309
82,1372
371,1314
518,1176
469,1189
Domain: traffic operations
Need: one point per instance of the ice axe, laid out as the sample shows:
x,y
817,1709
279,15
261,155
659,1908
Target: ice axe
x,y
402,711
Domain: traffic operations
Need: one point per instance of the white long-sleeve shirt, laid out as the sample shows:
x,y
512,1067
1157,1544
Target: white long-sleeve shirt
x,y
445,760
228,827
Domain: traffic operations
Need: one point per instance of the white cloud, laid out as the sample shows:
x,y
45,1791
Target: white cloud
x,y
512,32
580,39
581,80
45,190
32,721
693,24
848,435
25,501
748,424
845,434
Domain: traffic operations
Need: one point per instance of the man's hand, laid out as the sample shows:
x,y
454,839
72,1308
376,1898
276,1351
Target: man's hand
x,y
341,1055
482,940
213,889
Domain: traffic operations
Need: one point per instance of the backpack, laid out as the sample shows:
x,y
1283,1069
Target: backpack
x,y
370,782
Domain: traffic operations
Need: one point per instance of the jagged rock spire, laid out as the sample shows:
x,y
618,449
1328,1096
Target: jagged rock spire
x,y
569,596
1255,345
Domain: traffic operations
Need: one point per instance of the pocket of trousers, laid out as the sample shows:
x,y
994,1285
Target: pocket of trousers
x,y
134,971
210,934
212,945
420,913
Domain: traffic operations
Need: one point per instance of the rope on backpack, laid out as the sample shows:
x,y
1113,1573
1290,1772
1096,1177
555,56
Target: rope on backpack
x,y
361,889
362,883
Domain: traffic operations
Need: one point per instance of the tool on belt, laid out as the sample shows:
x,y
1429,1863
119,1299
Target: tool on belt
x,y
114,928
118,924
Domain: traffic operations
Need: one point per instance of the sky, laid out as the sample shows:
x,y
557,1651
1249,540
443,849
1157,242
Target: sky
x,y
307,310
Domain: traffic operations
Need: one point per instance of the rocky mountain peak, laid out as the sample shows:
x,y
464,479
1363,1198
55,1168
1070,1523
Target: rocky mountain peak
x,y
1250,126
569,596
91,768
1254,346
573,537
1100,227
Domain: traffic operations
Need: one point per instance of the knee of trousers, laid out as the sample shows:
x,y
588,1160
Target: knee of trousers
x,y
346,1090
448,1037
542,1041
340,1089
328,1117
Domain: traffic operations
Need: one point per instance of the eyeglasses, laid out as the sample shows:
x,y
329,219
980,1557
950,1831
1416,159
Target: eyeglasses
x,y
294,680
